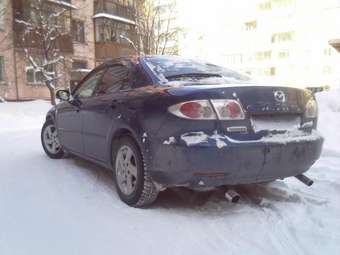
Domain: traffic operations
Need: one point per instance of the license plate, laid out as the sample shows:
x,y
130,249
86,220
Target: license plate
x,y
276,123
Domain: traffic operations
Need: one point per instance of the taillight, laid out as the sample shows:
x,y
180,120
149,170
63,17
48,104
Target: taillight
x,y
311,109
199,110
228,109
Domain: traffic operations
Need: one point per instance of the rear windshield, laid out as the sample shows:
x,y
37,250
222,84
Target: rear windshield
x,y
189,71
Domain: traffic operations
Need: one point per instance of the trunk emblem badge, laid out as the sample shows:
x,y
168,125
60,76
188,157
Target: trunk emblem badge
x,y
280,96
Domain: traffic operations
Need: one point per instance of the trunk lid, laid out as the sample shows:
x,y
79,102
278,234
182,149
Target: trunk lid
x,y
256,100
267,108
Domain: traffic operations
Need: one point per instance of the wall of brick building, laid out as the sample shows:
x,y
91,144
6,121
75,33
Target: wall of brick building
x,y
28,91
85,51
19,88
16,87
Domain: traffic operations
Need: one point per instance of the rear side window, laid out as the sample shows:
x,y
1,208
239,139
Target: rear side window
x,y
116,78
87,88
140,77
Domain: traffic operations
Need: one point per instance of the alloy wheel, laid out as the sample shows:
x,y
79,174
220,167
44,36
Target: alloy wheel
x,y
51,140
126,170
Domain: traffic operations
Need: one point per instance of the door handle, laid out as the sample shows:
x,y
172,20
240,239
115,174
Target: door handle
x,y
115,103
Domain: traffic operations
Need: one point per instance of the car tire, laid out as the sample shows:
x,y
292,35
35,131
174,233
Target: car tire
x,y
133,182
50,141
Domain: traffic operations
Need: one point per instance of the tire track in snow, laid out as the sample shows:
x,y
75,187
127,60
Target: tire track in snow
x,y
280,229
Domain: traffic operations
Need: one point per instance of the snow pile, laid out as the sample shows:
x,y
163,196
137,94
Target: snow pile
x,y
23,116
201,138
194,138
329,119
171,140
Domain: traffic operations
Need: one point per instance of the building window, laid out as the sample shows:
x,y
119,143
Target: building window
x,y
327,70
263,55
36,77
251,25
327,51
111,31
284,54
267,71
282,37
2,68
79,64
265,6
78,31
272,71
33,77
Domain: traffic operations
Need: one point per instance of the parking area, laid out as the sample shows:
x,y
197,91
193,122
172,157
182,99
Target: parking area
x,y
70,206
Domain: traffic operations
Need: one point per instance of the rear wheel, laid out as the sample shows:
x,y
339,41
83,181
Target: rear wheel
x,y
133,182
50,140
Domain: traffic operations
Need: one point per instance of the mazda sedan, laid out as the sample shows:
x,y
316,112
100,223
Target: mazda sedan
x,y
160,122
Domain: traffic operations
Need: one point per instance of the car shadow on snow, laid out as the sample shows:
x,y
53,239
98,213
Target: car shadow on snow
x,y
100,177
253,195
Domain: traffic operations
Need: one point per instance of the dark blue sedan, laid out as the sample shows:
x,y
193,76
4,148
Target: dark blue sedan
x,y
161,122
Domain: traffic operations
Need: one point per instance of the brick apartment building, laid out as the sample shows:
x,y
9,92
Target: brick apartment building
x,y
94,29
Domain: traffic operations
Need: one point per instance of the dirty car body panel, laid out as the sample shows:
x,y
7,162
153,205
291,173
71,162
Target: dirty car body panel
x,y
196,124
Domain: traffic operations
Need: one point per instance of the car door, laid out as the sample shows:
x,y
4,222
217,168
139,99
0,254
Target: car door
x,y
69,117
99,111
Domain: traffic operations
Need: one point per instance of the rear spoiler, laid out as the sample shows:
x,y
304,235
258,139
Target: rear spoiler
x,y
318,89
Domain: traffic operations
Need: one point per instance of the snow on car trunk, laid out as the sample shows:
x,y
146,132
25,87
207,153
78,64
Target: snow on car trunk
x,y
70,206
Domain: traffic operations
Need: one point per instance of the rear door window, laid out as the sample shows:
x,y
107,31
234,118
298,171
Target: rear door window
x,y
140,77
115,79
88,87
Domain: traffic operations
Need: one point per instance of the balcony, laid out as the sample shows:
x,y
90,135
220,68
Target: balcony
x,y
107,50
111,7
22,12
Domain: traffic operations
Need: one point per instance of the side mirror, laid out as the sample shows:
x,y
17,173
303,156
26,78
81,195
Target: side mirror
x,y
63,94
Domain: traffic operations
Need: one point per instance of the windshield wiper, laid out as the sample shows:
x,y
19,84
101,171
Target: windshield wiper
x,y
193,75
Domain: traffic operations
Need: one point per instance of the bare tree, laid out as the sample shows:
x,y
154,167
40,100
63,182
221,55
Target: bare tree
x,y
156,29
42,35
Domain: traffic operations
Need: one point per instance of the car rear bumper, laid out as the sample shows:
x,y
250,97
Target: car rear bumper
x,y
208,164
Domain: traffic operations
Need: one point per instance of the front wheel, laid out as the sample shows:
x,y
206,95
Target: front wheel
x,y
50,140
133,182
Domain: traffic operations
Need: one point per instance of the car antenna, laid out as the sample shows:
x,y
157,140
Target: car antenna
x,y
130,42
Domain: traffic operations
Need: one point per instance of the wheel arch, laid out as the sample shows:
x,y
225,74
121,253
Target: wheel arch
x,y
121,132
50,116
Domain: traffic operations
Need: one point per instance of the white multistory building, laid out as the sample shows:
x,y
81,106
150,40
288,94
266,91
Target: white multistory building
x,y
277,40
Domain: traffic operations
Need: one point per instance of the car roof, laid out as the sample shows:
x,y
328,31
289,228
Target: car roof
x,y
133,59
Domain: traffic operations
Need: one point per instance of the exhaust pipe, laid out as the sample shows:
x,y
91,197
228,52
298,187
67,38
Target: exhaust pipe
x,y
232,196
304,179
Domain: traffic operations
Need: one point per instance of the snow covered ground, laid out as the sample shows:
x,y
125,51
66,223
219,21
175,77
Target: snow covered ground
x,y
70,206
